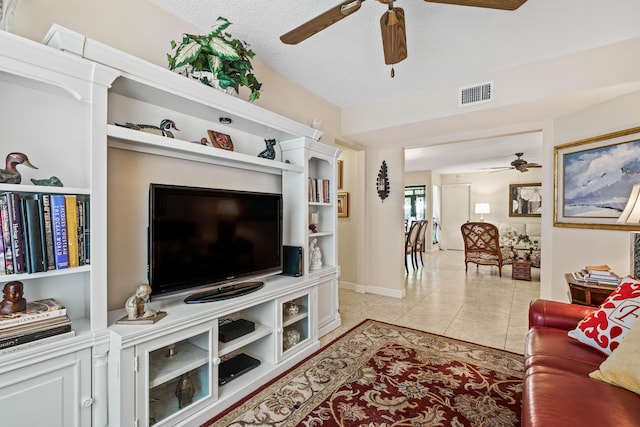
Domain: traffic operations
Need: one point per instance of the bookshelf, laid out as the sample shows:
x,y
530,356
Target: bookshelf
x,y
133,90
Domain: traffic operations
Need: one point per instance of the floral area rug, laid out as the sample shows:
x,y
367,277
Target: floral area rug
x,y
382,375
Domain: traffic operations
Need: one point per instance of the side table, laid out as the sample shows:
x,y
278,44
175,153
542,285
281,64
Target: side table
x,y
521,270
585,293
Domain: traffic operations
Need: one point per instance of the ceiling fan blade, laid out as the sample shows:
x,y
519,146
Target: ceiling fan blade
x,y
321,22
394,39
490,4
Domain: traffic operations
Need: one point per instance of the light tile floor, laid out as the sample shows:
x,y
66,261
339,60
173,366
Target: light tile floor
x,y
476,306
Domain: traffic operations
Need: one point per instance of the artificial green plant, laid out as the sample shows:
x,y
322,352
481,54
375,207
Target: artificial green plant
x,y
216,52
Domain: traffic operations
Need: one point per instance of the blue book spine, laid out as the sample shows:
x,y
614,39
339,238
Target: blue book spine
x,y
59,225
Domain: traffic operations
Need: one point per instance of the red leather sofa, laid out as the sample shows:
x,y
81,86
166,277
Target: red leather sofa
x,y
557,387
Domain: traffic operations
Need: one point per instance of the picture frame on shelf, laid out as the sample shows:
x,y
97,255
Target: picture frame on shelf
x,y
593,179
525,200
340,173
220,140
343,205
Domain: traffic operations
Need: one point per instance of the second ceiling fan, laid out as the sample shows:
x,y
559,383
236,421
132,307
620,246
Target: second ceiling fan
x,y
392,24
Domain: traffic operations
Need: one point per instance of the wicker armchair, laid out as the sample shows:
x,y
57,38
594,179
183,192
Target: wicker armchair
x,y
482,246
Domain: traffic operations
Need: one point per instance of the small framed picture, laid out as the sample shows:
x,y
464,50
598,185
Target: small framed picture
x,y
343,205
220,140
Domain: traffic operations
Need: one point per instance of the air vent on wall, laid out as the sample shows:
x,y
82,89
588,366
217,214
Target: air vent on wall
x,y
475,94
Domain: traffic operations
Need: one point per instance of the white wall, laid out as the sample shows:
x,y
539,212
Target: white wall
x,y
493,188
349,227
572,248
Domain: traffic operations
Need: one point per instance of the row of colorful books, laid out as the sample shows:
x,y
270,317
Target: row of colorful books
x,y
43,320
319,190
42,232
600,274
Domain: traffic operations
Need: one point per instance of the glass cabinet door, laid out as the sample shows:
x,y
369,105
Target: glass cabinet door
x,y
178,376
296,327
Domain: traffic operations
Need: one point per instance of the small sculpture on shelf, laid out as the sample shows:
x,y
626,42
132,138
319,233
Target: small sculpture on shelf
x,y
162,130
54,181
316,255
13,301
185,390
135,308
10,174
269,152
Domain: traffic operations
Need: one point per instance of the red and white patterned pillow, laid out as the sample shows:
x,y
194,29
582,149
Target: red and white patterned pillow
x,y
604,328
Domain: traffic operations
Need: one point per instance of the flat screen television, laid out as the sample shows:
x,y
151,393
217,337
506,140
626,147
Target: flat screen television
x,y
209,242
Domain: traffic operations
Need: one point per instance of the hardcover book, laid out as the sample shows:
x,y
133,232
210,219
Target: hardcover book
x,y
37,325
45,200
17,233
2,264
71,209
33,336
36,311
33,235
6,235
59,226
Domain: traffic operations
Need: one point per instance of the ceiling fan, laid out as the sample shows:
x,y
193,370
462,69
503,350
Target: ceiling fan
x,y
392,24
519,164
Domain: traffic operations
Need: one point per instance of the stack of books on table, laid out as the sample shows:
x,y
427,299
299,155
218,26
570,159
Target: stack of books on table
x,y
43,320
599,274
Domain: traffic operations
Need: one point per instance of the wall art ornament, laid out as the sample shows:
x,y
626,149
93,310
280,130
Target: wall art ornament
x,y
382,183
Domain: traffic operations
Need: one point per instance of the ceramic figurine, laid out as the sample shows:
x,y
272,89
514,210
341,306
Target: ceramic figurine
x,y
269,152
162,130
13,301
135,305
10,174
54,181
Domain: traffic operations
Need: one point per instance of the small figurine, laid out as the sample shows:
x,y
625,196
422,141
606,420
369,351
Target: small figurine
x,y
162,130
10,174
315,255
54,181
13,301
135,305
269,152
184,391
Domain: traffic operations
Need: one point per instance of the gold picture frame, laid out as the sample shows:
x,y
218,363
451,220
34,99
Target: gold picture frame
x,y
340,172
593,178
343,205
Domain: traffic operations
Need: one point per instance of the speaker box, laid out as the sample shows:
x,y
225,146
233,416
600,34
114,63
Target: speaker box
x,y
293,261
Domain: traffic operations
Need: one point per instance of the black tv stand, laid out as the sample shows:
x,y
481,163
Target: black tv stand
x,y
224,292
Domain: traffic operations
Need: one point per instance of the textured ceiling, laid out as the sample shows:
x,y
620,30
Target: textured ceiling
x,y
344,63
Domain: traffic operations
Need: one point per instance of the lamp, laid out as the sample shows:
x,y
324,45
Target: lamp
x,y
631,215
631,212
482,208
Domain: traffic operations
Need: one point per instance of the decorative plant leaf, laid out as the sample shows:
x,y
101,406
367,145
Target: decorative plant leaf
x,y
215,63
223,49
187,53
220,25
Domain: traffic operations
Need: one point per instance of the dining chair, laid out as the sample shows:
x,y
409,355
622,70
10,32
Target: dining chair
x,y
410,245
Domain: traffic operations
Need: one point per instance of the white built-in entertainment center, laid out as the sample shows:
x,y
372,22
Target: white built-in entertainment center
x,y
59,105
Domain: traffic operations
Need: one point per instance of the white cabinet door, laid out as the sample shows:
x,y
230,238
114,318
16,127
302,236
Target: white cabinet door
x,y
55,393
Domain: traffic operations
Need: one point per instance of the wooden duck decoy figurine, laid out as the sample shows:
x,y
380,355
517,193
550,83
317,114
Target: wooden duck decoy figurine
x,y
10,174
54,181
269,152
162,130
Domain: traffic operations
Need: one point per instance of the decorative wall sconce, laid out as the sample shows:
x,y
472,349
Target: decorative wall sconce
x,y
382,183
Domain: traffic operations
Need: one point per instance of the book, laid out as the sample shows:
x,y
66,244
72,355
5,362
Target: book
x,y
81,251
602,267
17,232
33,235
40,341
87,232
2,263
36,311
45,201
71,209
37,325
33,336
59,227
6,235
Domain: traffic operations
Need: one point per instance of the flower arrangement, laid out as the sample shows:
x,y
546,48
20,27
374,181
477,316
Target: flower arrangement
x,y
523,238
216,59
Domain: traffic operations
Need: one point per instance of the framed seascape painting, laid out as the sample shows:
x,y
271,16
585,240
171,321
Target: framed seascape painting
x,y
593,179
525,199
